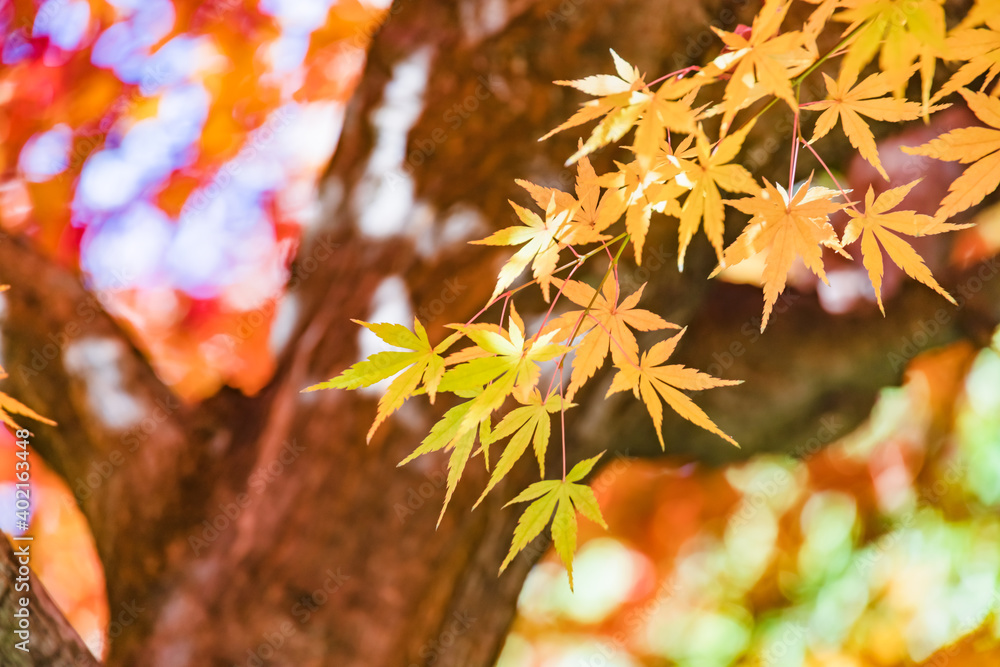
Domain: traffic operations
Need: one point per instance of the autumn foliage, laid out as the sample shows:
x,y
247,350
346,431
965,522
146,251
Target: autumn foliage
x,y
687,131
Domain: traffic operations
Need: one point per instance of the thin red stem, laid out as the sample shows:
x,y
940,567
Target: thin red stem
x,y
843,192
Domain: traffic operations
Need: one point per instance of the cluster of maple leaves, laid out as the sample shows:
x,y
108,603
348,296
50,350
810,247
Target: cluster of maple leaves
x,y
679,170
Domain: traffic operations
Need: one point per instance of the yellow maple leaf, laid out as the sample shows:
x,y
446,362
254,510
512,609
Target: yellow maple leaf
x,y
669,108
903,32
606,325
540,249
649,381
876,226
847,103
817,21
764,63
623,101
644,190
619,101
788,227
703,176
980,51
977,145
592,211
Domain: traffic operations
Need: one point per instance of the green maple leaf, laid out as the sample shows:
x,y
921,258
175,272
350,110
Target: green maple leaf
x,y
563,499
423,364
527,424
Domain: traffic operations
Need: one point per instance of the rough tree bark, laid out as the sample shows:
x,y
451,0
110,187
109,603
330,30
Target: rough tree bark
x,y
327,554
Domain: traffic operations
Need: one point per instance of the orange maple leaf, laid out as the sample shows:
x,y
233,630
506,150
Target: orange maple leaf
x,y
650,381
788,228
606,325
978,145
875,227
764,63
847,102
703,176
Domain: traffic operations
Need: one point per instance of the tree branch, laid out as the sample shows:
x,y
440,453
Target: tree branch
x,y
51,640
124,444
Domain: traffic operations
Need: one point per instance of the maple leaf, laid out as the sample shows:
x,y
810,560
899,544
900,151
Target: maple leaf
x,y
982,11
605,323
593,212
903,31
763,63
510,367
798,227
563,498
977,145
875,228
9,406
625,101
649,381
703,176
645,191
423,364
669,108
529,423
817,21
980,51
847,102
443,433
619,101
540,247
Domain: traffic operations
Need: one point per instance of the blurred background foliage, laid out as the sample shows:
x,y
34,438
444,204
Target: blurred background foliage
x,y
171,152
880,549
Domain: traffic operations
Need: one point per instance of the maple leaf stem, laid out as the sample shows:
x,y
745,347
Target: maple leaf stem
x,y
793,162
503,309
597,290
552,306
562,420
843,192
797,81
514,290
678,73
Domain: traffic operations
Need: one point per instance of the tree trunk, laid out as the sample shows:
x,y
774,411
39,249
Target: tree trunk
x,y
261,530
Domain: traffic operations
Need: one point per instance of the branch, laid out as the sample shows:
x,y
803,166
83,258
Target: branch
x,y
48,638
121,436
810,379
